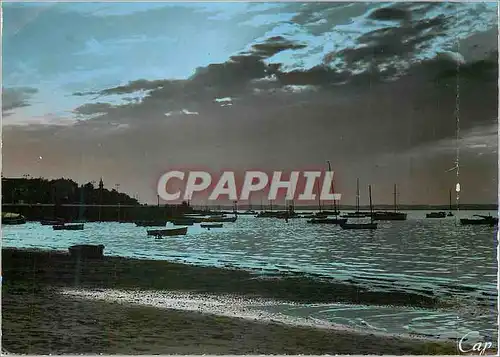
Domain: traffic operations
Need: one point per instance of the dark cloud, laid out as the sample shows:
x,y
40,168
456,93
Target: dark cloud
x,y
275,45
393,43
93,108
13,98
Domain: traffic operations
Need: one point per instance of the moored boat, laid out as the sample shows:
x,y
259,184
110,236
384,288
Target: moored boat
x,y
151,223
183,222
357,214
168,232
68,227
388,215
371,225
436,215
220,219
12,218
52,222
481,220
327,220
211,225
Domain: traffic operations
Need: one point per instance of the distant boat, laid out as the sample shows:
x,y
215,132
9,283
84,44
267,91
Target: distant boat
x,y
482,220
277,214
151,223
183,222
371,225
52,222
356,215
436,215
216,219
13,219
327,221
440,214
168,232
211,225
391,216
68,227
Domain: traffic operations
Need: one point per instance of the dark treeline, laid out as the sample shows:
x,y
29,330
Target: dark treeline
x,y
60,191
38,198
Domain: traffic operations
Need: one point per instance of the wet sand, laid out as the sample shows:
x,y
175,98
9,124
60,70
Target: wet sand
x,y
37,318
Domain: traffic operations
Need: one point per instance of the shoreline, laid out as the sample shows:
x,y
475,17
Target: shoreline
x,y
33,279
59,269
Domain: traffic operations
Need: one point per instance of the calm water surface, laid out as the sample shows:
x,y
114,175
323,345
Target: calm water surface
x,y
428,256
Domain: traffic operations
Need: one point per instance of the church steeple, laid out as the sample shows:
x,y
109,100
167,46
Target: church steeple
x,y
101,184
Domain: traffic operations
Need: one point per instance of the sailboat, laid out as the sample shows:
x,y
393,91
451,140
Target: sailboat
x,y
357,213
440,214
371,225
391,216
322,217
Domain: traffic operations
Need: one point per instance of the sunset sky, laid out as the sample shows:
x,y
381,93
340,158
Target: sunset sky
x,y
127,91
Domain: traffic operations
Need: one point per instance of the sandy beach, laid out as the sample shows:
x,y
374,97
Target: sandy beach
x,y
52,304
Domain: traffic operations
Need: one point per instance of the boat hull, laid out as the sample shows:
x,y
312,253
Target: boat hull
x,y
68,227
13,221
211,225
151,223
436,215
328,221
220,219
54,222
478,222
183,222
389,216
168,232
357,215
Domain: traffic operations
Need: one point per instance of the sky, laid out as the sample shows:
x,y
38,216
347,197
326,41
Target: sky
x,y
128,91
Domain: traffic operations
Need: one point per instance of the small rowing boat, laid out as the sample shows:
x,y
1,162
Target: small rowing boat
x,y
68,227
211,225
151,223
436,215
168,232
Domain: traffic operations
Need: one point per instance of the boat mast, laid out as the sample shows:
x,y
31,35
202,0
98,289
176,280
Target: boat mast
x,y
371,206
395,198
450,199
319,196
333,189
357,195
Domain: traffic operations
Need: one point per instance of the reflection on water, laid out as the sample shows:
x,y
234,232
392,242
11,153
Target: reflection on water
x,y
429,256
395,320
